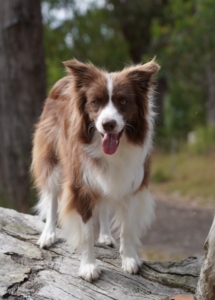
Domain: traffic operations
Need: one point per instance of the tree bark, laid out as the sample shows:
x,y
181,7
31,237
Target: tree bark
x,y
161,91
127,14
28,272
210,105
22,92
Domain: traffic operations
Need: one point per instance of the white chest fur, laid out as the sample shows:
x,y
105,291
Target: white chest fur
x,y
117,175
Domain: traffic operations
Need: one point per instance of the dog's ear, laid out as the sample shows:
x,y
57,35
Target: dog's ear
x,y
83,73
143,75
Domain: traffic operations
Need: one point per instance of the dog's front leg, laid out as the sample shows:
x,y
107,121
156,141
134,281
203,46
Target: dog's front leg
x,y
130,259
89,269
137,214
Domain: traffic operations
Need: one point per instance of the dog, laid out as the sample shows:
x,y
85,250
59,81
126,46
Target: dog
x,y
91,150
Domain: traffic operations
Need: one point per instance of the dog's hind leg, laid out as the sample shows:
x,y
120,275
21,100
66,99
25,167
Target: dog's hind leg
x,y
105,236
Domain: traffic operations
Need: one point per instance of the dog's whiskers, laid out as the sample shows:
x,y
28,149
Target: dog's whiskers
x,y
130,127
91,127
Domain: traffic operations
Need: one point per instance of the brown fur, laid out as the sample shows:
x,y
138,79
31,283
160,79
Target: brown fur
x,y
146,176
73,103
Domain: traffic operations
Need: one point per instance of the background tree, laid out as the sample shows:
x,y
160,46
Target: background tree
x,y
178,32
135,22
111,35
188,58
22,92
92,34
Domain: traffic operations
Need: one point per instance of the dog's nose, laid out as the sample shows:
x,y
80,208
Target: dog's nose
x,y
109,126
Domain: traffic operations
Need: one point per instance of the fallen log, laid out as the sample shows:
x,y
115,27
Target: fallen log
x,y
28,272
206,284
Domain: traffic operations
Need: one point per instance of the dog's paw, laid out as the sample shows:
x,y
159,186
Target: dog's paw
x,y
131,265
107,240
47,239
89,272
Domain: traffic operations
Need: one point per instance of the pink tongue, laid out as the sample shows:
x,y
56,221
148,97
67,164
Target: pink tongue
x,y
110,143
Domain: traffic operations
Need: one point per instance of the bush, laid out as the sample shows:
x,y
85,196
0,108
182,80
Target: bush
x,y
205,140
160,176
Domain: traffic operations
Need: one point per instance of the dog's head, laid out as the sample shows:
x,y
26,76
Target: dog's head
x,y
113,103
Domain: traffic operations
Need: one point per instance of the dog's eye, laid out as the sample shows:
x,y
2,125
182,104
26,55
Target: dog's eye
x,y
95,103
123,101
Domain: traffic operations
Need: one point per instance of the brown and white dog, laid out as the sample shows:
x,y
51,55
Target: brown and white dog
x,y
92,149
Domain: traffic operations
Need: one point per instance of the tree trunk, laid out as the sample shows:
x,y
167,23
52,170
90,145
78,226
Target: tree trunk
x,y
210,105
127,15
22,92
28,272
159,100
206,284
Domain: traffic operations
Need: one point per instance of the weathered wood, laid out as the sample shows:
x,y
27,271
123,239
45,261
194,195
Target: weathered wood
x,y
206,284
31,273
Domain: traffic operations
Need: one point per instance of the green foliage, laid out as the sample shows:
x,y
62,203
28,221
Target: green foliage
x,y
204,141
160,176
134,19
90,36
183,113
179,32
189,42
97,38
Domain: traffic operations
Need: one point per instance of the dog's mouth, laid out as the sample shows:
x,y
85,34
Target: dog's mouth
x,y
110,142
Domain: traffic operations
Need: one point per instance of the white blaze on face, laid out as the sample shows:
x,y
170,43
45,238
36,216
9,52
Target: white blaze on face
x,y
110,112
110,138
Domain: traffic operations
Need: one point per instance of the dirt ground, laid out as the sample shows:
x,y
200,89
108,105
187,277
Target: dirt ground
x,y
179,231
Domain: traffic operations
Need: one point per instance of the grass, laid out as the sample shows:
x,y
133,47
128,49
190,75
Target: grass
x,y
159,255
185,174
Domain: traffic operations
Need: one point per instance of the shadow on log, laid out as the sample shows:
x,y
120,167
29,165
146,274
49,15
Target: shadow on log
x,y
28,272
